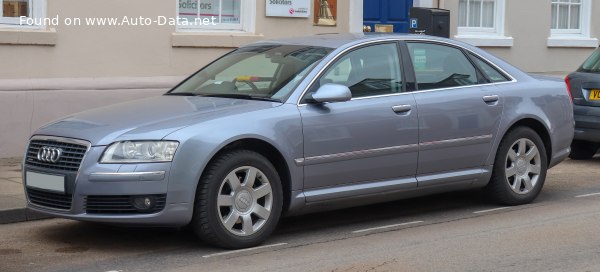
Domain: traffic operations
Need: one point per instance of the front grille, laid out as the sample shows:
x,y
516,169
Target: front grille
x,y
120,205
50,200
69,161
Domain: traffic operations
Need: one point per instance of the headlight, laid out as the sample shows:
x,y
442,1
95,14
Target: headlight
x,y
140,152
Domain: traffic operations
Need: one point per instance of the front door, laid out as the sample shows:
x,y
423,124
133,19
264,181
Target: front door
x,y
372,137
386,15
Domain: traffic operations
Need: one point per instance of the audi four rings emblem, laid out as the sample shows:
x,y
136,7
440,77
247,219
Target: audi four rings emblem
x,y
49,154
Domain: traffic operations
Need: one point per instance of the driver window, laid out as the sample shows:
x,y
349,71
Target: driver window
x,y
367,71
438,66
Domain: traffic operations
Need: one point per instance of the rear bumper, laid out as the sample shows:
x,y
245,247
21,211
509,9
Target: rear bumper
x,y
587,123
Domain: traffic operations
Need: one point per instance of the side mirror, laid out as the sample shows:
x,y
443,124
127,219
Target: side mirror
x,y
331,93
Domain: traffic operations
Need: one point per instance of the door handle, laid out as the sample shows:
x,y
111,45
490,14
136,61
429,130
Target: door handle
x,y
401,108
491,99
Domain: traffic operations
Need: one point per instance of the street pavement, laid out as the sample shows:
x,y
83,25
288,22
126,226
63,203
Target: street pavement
x,y
450,232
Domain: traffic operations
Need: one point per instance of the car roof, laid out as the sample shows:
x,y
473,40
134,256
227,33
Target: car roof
x,y
335,40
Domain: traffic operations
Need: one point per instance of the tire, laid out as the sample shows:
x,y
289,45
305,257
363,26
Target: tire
x,y
522,183
232,214
583,150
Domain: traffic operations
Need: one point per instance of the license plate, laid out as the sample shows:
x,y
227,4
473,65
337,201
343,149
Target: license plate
x,y
595,95
45,181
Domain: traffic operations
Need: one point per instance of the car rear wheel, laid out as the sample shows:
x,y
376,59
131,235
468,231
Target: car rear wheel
x,y
583,150
519,169
238,201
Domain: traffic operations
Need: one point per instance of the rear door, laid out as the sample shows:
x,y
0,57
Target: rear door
x,y
459,113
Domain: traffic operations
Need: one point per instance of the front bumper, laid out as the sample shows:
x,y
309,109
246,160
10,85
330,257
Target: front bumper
x,y
100,181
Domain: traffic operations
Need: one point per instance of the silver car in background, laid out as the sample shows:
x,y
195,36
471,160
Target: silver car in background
x,y
303,125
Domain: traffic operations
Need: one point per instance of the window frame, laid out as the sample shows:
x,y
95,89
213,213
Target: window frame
x,y
37,10
585,10
478,74
466,52
499,18
323,71
247,21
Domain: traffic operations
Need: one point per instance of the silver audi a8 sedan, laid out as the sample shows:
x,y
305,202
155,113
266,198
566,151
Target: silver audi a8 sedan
x,y
302,125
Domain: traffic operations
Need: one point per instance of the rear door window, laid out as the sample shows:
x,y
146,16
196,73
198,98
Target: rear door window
x,y
439,66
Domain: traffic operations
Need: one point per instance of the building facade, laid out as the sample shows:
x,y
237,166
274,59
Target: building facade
x,y
66,56
545,36
62,56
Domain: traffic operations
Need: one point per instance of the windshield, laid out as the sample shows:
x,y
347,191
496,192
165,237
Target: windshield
x,y
266,72
592,64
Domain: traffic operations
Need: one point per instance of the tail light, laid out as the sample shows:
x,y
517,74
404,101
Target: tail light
x,y
568,82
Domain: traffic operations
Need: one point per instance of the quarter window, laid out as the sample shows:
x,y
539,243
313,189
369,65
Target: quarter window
x,y
490,72
438,66
368,71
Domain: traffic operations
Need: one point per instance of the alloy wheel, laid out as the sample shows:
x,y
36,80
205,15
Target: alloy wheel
x,y
245,201
523,166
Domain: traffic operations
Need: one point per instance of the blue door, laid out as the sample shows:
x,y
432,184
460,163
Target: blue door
x,y
387,12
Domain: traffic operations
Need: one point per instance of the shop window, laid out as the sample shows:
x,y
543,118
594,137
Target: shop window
x,y
226,15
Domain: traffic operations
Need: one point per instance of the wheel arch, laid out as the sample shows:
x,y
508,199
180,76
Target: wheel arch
x,y
270,152
539,127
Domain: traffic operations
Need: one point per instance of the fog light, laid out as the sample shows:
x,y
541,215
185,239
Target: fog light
x,y
143,203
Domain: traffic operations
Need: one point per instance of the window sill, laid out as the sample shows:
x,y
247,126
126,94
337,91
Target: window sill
x,y
577,42
486,40
25,36
213,40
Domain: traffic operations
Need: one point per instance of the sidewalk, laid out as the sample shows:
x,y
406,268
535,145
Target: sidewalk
x,y
12,195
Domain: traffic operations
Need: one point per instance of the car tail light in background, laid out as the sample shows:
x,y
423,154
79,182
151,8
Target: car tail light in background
x,y
568,82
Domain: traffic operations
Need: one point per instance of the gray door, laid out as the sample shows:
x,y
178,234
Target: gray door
x,y
364,139
459,114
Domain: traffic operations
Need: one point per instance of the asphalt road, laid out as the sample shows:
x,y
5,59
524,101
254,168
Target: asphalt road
x,y
451,232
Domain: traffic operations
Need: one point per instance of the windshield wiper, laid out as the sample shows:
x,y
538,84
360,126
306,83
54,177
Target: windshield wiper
x,y
182,94
243,96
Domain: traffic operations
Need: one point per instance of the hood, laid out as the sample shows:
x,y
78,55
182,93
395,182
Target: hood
x,y
147,119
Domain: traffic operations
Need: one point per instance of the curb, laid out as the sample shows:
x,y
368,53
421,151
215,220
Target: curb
x,y
20,215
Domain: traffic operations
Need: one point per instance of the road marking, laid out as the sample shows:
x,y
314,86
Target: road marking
x,y
594,194
242,250
491,210
387,227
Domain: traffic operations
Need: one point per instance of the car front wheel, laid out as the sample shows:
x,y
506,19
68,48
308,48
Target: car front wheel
x,y
238,201
519,169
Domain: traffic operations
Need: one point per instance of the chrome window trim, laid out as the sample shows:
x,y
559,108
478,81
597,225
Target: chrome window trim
x,y
87,144
330,62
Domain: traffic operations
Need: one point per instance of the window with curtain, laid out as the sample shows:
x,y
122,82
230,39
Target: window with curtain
x,y
566,16
477,13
